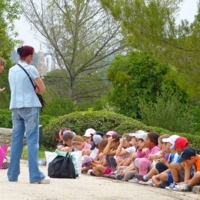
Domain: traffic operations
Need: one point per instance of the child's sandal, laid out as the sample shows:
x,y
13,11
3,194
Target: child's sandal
x,y
5,165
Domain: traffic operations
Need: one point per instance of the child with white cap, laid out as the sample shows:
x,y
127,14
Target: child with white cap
x,y
87,135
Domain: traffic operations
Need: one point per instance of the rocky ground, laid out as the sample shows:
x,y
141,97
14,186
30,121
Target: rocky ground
x,y
83,188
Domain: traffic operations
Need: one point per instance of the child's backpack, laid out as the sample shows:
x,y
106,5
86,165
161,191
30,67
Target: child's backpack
x,y
62,167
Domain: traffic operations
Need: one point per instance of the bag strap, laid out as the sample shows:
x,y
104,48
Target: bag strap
x,y
27,75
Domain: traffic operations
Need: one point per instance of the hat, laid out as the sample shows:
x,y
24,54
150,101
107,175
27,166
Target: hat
x,y
137,132
88,132
171,139
96,140
100,133
140,134
110,133
181,142
187,153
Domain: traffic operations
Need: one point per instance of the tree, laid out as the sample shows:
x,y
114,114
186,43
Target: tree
x,y
10,12
168,112
135,77
86,88
81,36
152,26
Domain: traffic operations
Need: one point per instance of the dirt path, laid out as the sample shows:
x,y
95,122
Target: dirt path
x,y
84,188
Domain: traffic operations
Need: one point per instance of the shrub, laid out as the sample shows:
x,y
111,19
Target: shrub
x,y
168,112
58,107
103,121
6,119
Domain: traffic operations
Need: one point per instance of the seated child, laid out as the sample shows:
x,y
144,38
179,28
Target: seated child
x,y
160,157
81,145
190,156
67,142
144,158
87,135
124,149
99,167
177,169
110,151
58,136
94,155
125,173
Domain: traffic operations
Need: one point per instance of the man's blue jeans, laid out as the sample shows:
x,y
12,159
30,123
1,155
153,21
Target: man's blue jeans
x,y
25,120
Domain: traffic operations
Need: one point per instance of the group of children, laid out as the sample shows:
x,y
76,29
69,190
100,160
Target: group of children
x,y
145,158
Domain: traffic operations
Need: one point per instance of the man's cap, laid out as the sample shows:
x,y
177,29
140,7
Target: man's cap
x,y
96,140
89,131
110,133
140,134
187,153
171,139
100,133
181,142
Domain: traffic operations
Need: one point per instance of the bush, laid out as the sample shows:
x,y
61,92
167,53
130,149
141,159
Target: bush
x,y
103,121
6,119
58,107
168,112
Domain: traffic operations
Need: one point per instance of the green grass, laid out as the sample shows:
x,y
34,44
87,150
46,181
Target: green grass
x,y
41,154
24,156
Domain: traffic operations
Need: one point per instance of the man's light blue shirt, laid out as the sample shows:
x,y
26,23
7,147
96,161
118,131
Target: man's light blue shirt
x,y
22,91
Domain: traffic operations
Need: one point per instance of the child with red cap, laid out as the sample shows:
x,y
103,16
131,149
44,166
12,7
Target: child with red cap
x,y
177,169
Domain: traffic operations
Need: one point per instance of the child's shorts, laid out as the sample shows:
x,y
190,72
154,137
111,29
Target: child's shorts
x,y
170,179
108,170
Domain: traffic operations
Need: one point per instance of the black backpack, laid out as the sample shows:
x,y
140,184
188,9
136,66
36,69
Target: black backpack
x,y
62,167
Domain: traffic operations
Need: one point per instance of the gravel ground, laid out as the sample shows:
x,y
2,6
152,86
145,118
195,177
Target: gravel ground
x,y
83,188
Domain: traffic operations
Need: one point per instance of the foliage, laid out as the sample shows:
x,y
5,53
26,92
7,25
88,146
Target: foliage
x,y
81,37
80,121
152,26
10,12
137,76
85,88
104,121
58,107
168,112
6,119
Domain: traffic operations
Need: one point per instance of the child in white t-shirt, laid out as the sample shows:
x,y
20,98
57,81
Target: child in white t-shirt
x,y
124,150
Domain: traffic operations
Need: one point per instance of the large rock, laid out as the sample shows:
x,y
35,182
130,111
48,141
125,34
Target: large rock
x,y
6,135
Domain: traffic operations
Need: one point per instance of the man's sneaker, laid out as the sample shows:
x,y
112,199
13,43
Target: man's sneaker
x,y
163,185
89,171
140,178
112,175
171,186
133,180
149,182
92,173
119,177
182,187
46,180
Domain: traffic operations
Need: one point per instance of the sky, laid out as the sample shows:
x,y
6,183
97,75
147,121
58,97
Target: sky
x,y
188,10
